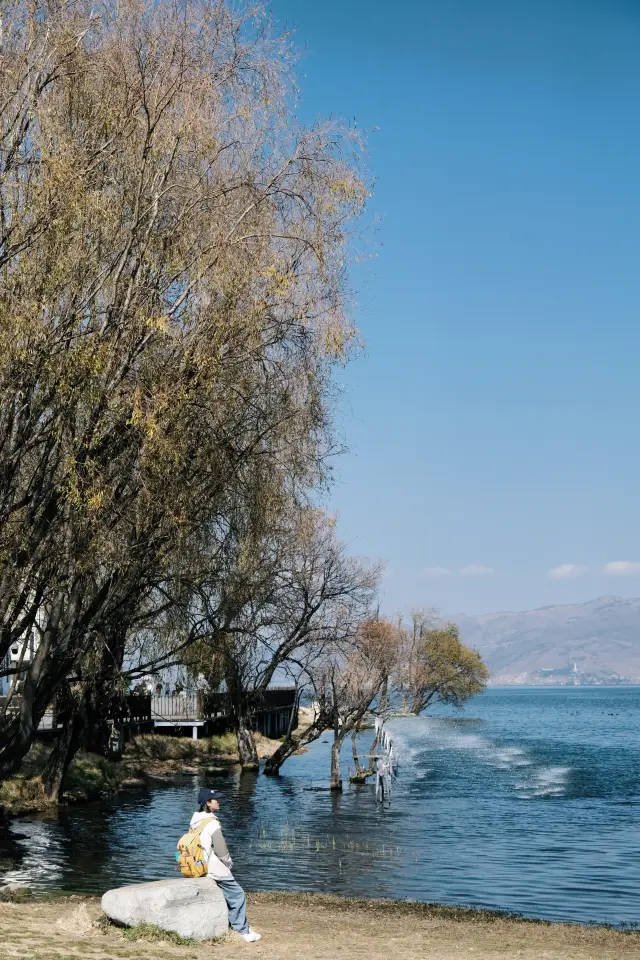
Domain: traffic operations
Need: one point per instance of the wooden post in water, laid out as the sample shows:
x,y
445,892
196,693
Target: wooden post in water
x,y
385,766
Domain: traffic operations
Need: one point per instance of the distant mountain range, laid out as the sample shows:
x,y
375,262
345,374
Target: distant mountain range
x,y
601,637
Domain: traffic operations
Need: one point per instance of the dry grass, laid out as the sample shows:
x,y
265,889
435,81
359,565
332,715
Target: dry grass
x,y
77,922
316,927
23,794
223,748
153,746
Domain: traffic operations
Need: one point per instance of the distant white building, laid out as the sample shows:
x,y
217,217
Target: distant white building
x,y
4,681
23,651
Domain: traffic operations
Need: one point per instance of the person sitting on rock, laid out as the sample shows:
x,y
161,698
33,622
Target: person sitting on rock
x,y
219,864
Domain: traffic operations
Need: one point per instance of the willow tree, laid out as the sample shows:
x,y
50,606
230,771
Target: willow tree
x,y
172,301
437,666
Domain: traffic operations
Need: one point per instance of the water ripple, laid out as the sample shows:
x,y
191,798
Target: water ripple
x,y
528,804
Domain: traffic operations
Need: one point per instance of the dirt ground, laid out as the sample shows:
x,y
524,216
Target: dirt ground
x,y
309,927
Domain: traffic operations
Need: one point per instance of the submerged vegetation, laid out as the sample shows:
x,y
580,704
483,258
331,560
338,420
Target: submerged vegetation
x,y
292,841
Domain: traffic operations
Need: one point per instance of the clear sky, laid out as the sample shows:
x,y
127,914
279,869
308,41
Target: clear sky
x,y
493,420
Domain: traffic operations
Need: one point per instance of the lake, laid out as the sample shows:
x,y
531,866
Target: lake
x,y
527,801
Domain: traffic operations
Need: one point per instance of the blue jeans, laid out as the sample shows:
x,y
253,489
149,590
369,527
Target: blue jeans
x,y
236,904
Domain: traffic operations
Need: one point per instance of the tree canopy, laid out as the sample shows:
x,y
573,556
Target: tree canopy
x,y
173,251
438,666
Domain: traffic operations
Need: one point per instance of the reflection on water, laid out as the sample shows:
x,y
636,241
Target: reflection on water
x,y
529,802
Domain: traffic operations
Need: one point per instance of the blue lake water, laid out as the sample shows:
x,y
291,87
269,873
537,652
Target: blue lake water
x,y
528,801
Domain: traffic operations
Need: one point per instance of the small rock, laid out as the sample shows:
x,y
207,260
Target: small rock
x,y
133,783
15,892
194,909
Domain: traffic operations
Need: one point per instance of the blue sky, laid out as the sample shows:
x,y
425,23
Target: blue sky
x,y
492,421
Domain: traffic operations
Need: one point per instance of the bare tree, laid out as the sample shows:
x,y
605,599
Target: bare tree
x,y
344,680
296,592
352,681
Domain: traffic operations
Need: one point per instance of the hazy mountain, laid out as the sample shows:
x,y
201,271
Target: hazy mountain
x,y
602,637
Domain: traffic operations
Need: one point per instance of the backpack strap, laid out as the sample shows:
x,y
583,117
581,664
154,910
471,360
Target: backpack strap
x,y
203,823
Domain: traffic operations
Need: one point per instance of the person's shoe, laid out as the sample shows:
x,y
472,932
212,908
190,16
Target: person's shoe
x,y
251,936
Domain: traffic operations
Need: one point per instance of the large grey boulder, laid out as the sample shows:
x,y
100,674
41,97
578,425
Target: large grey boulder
x,y
195,909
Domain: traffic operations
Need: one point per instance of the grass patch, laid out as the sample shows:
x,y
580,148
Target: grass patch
x,y
335,903
22,794
147,931
90,776
155,747
15,894
152,746
24,791
222,744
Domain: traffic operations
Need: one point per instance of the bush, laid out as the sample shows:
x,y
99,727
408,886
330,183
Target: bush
x,y
153,746
223,744
91,775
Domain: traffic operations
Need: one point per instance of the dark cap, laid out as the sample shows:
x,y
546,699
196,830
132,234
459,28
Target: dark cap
x,y
206,794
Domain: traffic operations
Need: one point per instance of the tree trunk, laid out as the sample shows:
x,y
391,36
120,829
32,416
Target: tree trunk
x,y
17,731
247,750
239,704
87,713
361,774
354,750
417,705
293,742
384,697
336,776
57,768
286,749
70,705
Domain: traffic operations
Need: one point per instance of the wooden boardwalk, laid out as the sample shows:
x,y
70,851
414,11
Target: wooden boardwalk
x,y
207,712
189,714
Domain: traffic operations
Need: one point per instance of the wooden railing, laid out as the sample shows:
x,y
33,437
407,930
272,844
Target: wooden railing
x,y
276,698
136,708
139,708
184,706
133,709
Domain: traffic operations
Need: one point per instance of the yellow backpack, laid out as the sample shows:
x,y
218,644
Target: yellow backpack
x,y
190,855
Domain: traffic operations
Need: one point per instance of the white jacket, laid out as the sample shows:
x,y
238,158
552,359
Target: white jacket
x,y
213,843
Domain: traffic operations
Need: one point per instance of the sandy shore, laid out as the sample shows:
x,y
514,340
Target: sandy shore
x,y
311,927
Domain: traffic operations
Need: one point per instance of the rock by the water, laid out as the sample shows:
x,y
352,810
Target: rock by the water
x,y
15,893
195,909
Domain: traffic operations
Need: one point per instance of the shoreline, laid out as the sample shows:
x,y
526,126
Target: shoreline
x,y
329,926
149,761
23,894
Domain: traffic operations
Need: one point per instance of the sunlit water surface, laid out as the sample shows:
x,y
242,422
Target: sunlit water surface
x,y
528,801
